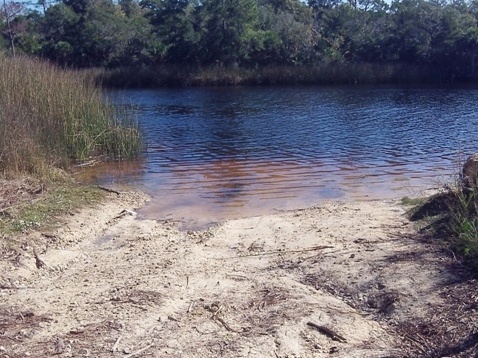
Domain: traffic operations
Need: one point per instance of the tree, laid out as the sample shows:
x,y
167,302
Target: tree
x,y
367,33
10,10
60,31
294,28
416,22
227,26
96,33
456,46
176,26
43,4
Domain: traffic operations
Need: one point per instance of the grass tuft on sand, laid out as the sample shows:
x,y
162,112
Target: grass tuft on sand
x,y
30,204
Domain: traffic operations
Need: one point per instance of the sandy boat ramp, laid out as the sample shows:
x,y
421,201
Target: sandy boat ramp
x,y
342,279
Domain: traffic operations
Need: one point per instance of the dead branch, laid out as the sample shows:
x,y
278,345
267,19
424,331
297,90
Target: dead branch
x,y
226,326
215,309
88,163
115,346
59,346
108,190
121,214
124,213
38,261
328,332
139,351
420,345
277,252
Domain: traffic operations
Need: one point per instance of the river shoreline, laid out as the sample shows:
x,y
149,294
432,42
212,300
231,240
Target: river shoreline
x,y
346,278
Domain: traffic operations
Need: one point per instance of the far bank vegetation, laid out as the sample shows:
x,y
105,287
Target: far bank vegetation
x,y
149,43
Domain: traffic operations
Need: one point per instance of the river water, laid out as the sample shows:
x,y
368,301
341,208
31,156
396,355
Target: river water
x,y
218,153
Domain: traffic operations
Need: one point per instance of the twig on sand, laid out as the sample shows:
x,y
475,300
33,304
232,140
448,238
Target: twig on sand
x,y
278,252
4,212
115,346
215,309
121,214
88,163
328,332
139,351
38,261
108,190
226,326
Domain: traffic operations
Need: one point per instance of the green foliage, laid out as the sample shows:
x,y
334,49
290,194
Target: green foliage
x,y
95,33
49,117
59,27
252,33
173,23
452,216
464,225
228,27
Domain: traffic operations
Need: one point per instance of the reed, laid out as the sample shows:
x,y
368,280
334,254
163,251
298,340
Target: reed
x,y
323,74
50,117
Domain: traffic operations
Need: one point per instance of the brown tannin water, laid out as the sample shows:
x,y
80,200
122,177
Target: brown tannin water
x,y
220,153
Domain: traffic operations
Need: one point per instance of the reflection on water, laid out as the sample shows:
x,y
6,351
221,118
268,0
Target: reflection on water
x,y
216,153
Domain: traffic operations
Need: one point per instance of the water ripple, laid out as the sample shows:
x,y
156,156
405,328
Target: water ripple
x,y
257,149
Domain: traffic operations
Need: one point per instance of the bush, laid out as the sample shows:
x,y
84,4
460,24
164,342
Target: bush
x,y
452,216
464,225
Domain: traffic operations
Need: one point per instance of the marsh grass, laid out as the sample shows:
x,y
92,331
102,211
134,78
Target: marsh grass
x,y
324,74
50,117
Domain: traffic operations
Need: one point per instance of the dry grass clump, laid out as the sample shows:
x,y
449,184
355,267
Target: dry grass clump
x,y
50,117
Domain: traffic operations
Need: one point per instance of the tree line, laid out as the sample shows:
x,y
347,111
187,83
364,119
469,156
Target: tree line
x,y
245,33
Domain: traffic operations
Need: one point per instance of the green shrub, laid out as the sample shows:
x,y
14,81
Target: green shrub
x,y
464,225
452,217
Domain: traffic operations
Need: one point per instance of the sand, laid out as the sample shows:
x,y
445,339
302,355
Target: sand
x,y
341,279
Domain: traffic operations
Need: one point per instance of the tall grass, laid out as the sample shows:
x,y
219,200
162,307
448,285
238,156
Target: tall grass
x,y
464,225
323,74
50,117
452,217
